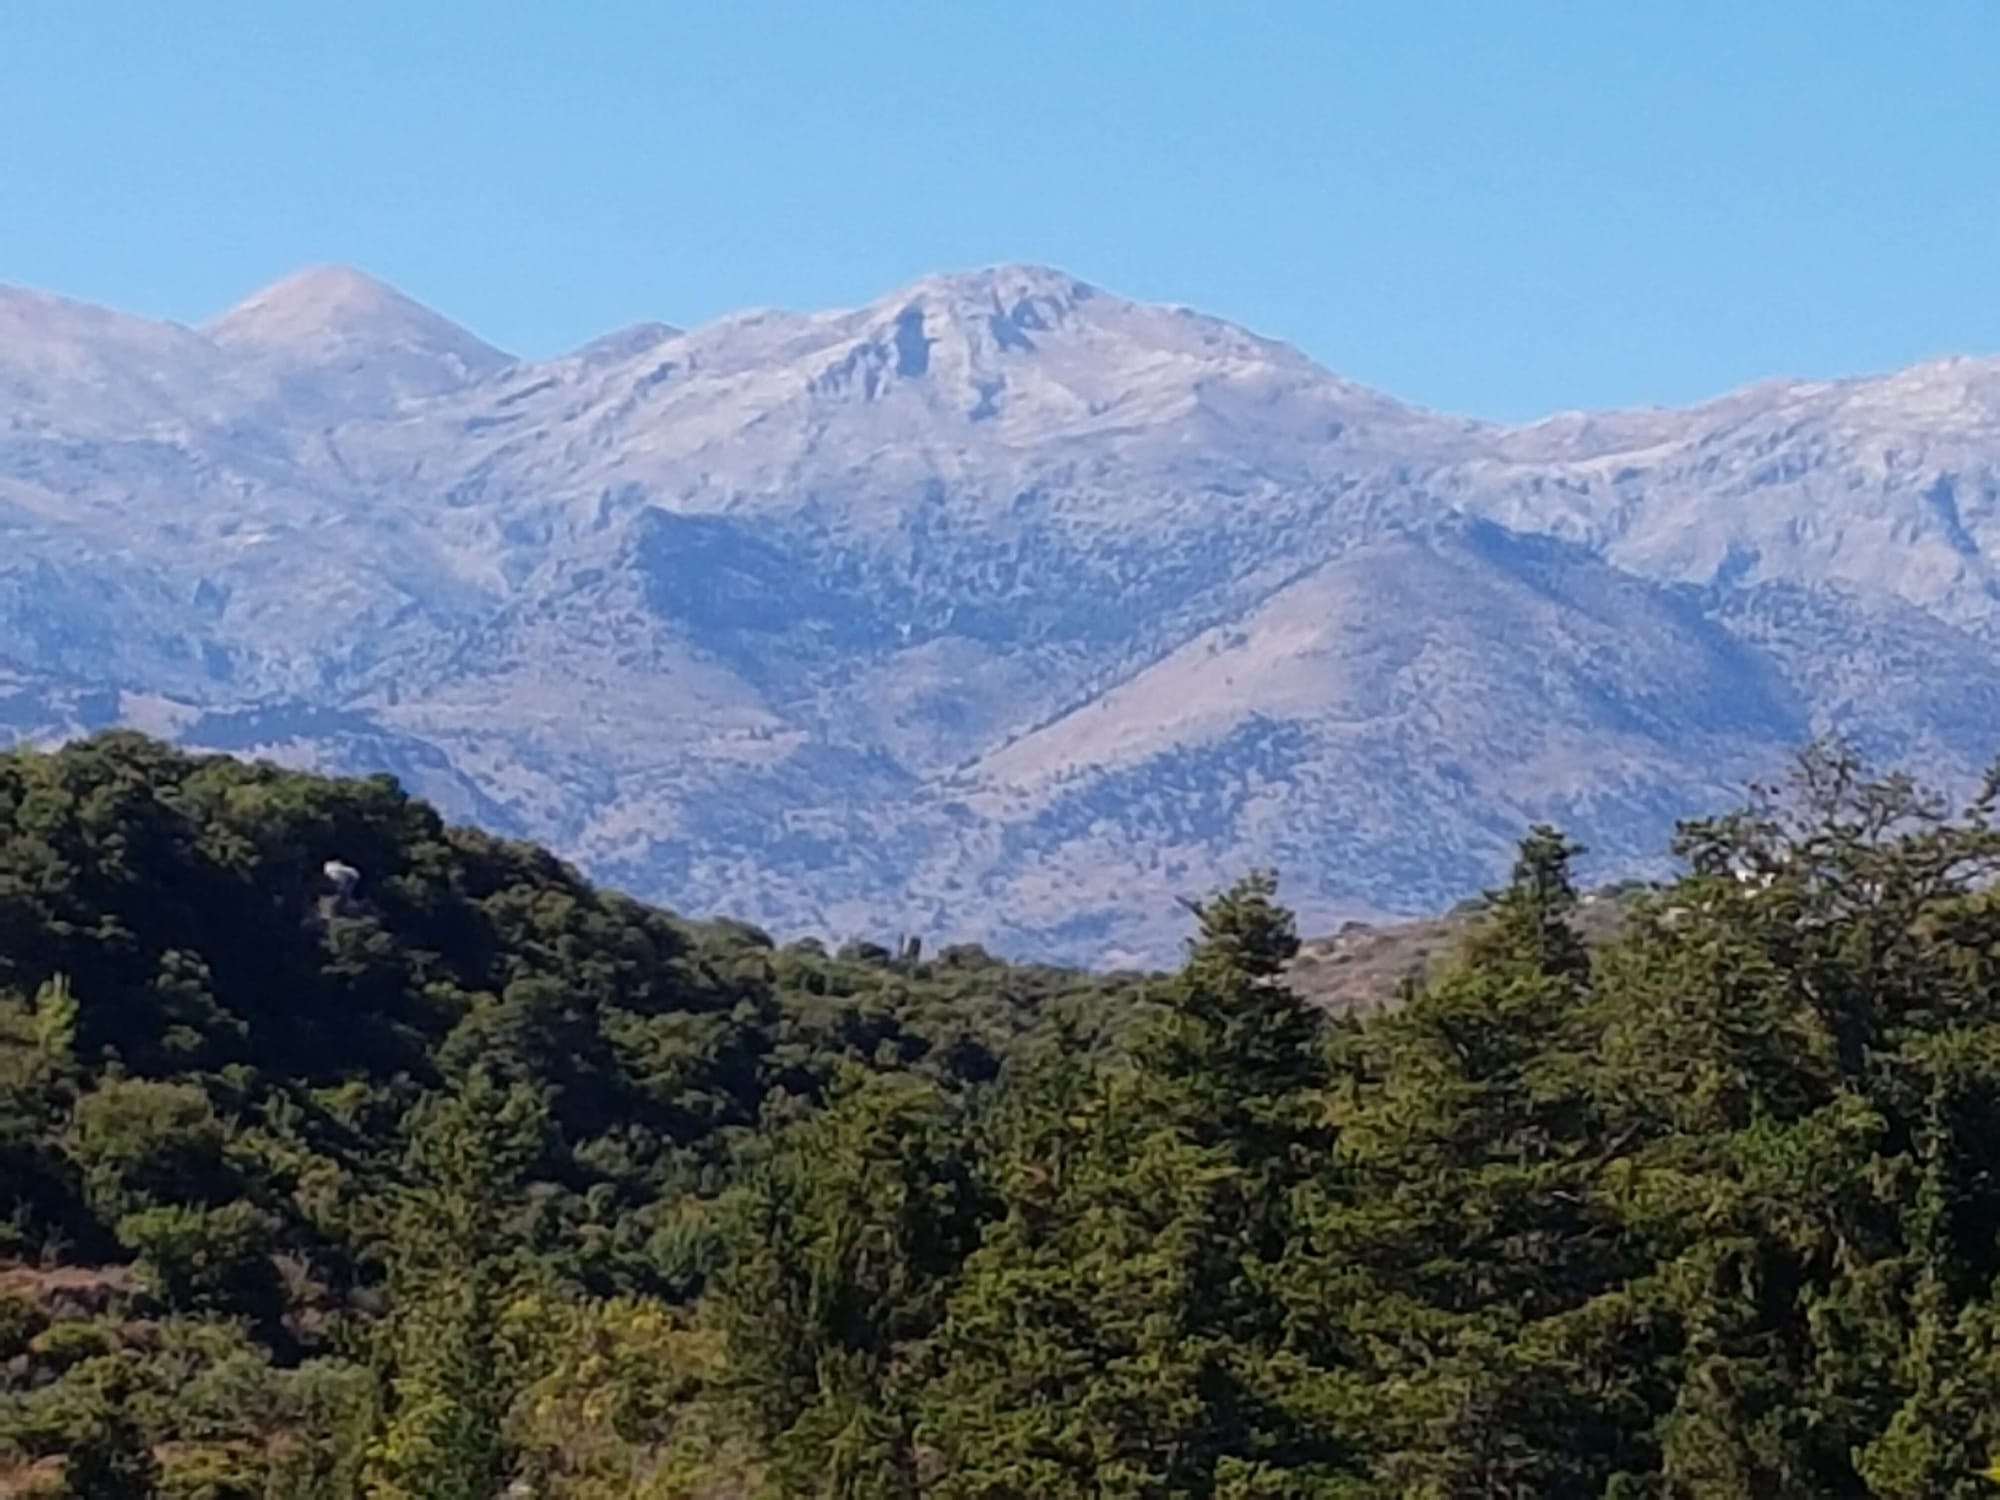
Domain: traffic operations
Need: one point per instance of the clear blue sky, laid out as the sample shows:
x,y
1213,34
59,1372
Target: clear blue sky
x,y
1502,207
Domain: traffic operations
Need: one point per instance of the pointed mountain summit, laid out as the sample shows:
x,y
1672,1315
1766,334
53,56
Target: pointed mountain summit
x,y
1027,352
352,340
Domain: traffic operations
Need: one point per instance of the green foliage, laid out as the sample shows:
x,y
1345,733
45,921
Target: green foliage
x,y
468,1159
1119,1330
54,1022
328,1150
205,1259
846,1239
139,1142
330,1410
478,1177
624,1404
108,1457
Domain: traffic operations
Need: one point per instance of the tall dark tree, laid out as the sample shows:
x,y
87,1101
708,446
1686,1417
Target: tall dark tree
x,y
845,1244
1117,1332
1485,1279
1235,1052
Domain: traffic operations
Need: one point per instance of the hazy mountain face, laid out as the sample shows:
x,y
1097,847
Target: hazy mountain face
x,y
1002,608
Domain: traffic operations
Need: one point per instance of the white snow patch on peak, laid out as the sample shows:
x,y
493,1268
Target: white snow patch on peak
x,y
1958,384
308,302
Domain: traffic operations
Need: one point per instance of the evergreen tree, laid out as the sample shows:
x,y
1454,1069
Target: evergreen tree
x,y
1484,1275
845,1244
1234,1053
453,1377
1116,1333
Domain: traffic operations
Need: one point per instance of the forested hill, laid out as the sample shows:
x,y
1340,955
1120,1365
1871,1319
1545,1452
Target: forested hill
x,y
347,1154
233,1101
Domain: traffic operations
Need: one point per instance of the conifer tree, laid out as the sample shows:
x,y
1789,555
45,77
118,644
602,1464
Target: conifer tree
x,y
845,1244
1116,1333
1234,1052
1481,1251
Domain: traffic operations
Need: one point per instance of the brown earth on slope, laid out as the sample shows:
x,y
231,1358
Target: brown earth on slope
x,y
1360,968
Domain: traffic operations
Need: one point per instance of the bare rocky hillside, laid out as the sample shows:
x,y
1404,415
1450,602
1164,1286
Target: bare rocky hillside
x,y
1002,604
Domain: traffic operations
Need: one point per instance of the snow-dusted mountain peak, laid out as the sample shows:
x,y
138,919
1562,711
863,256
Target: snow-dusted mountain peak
x,y
1011,303
317,300
1005,281
357,339
1017,309
998,606
1959,389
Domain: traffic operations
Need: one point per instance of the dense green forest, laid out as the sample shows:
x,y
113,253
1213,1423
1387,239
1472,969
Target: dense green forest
x,y
343,1153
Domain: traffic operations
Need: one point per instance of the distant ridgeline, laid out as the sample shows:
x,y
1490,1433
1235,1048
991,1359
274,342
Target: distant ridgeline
x,y
343,1153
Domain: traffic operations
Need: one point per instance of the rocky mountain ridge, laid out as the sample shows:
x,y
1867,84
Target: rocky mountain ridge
x,y
1000,608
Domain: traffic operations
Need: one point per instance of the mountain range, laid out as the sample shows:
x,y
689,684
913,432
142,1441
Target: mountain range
x,y
1000,609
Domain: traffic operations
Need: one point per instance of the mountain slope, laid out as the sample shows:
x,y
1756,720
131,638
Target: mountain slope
x,y
1002,603
1888,485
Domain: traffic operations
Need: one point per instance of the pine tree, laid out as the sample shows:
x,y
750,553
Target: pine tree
x,y
1801,1037
1469,1111
1485,1277
1116,1333
1235,1051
